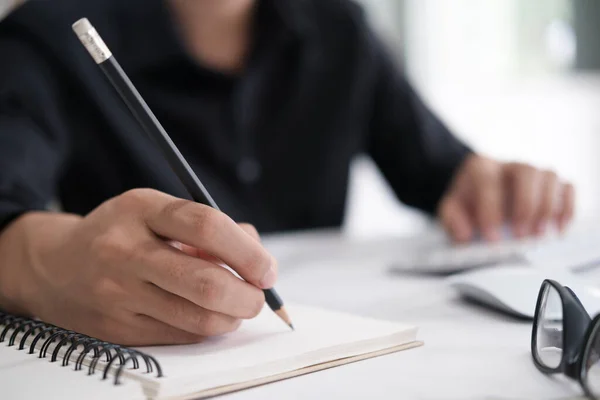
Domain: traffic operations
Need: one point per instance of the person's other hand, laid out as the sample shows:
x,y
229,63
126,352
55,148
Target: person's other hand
x,y
486,194
143,268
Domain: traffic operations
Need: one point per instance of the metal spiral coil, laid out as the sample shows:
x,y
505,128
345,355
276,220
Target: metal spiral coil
x,y
74,344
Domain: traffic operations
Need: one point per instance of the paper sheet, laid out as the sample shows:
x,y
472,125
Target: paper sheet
x,y
266,346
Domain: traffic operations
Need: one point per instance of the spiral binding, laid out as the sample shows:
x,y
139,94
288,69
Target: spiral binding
x,y
79,346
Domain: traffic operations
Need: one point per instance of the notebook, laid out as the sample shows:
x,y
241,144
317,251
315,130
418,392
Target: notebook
x,y
261,351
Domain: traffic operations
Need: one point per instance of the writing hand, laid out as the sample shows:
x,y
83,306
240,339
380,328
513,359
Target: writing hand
x,y
115,274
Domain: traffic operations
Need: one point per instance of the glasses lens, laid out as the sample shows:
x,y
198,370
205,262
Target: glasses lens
x,y
549,334
591,363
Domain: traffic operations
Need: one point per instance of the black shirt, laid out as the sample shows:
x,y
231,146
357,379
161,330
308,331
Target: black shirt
x,y
272,145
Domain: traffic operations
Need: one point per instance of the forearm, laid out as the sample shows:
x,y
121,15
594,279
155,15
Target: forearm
x,y
413,148
416,153
34,144
24,244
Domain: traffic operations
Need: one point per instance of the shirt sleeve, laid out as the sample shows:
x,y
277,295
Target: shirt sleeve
x,y
413,149
33,140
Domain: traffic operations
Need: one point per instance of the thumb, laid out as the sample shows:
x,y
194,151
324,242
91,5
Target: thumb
x,y
455,219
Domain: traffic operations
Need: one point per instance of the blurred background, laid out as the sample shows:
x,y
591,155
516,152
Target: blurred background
x,y
516,79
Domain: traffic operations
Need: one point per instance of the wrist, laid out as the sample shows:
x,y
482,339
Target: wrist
x,y
26,246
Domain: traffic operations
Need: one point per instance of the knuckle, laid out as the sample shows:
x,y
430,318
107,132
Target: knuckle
x,y
208,222
173,208
209,289
132,199
105,288
205,220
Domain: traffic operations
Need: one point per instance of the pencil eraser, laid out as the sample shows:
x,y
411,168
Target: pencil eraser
x,y
82,26
89,37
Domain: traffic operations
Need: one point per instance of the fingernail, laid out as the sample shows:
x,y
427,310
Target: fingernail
x,y
268,280
176,244
521,230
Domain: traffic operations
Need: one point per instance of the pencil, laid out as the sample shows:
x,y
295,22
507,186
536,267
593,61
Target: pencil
x,y
101,54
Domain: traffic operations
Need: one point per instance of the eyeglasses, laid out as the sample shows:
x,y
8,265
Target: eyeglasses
x,y
565,339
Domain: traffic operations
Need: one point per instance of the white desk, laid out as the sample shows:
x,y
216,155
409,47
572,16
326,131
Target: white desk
x,y
469,353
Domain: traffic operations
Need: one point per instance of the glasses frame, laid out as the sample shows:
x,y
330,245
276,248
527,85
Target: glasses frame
x,y
578,333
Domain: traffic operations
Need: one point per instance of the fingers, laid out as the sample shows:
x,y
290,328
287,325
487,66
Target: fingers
x,y
141,330
485,195
144,331
489,207
181,313
547,202
212,231
525,182
207,285
538,198
567,208
455,219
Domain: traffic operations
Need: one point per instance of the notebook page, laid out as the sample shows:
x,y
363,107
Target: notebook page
x,y
266,346
10,356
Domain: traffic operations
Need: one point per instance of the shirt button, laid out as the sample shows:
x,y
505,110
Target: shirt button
x,y
248,170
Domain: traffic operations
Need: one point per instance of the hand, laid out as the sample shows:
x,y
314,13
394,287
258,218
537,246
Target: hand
x,y
117,276
486,194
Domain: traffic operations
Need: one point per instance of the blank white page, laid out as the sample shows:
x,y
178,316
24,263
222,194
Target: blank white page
x,y
11,356
265,346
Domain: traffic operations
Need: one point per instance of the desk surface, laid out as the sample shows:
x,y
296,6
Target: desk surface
x,y
469,352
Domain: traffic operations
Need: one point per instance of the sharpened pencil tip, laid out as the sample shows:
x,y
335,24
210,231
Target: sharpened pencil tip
x,y
281,313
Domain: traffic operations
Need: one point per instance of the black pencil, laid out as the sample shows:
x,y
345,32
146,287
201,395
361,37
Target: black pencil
x,y
92,41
